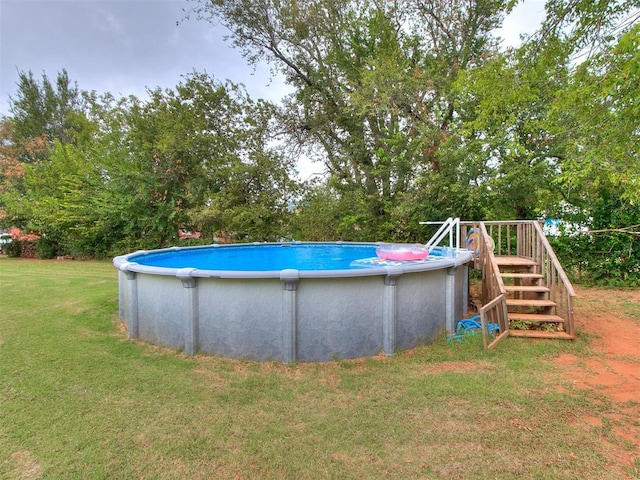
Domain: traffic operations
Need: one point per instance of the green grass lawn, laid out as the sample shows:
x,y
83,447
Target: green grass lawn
x,y
79,400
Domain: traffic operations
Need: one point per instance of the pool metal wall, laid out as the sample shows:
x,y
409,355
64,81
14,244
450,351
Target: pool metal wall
x,y
295,316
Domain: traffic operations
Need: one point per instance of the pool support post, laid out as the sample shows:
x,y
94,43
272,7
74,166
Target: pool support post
x,y
290,278
191,312
450,300
390,311
131,310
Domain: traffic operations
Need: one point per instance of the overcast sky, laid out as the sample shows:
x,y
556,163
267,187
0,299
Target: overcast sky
x,y
117,46
125,46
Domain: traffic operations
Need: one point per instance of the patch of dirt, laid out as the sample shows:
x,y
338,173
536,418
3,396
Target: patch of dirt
x,y
610,368
26,467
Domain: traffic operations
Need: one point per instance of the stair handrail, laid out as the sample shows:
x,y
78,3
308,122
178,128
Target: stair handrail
x,y
562,291
490,266
446,228
494,293
552,256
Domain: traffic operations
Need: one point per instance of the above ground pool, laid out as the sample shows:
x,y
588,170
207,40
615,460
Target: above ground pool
x,y
292,301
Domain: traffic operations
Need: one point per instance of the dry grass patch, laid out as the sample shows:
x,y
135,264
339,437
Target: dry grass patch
x,y
25,466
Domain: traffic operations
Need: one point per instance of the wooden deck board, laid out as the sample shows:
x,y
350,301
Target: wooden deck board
x,y
511,261
516,302
539,334
535,317
527,288
521,275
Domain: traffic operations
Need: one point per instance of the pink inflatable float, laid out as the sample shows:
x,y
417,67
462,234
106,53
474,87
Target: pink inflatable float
x,y
404,252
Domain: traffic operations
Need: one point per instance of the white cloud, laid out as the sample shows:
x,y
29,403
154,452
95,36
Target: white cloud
x,y
107,22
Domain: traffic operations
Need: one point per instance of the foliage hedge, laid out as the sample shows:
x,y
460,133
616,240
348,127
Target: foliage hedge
x,y
608,259
12,249
22,248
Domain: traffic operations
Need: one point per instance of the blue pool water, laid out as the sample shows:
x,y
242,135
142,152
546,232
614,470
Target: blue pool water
x,y
263,257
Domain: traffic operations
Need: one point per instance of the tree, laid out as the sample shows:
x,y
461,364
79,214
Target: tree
x,y
506,131
41,114
585,26
130,173
199,157
599,118
373,81
249,185
65,203
11,170
43,110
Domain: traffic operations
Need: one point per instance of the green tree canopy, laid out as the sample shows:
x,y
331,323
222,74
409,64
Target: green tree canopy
x,y
373,84
130,172
43,109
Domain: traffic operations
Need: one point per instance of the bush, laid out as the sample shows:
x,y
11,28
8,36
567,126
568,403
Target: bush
x,y
12,249
606,259
46,248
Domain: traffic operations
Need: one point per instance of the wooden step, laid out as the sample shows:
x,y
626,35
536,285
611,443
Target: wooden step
x,y
539,334
511,261
535,317
527,288
532,276
517,302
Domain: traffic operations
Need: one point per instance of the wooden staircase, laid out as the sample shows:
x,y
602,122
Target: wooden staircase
x,y
525,291
530,311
